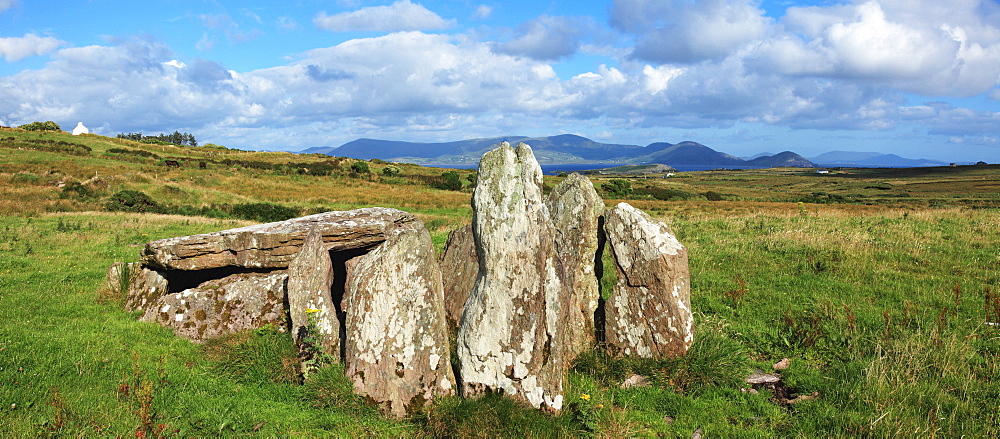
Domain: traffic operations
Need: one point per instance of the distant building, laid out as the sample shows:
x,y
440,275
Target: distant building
x,y
822,171
80,129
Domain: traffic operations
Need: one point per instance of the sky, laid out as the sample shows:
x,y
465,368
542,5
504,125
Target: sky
x,y
916,78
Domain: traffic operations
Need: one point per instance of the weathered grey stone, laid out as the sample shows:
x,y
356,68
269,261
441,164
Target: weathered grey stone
x,y
459,268
396,347
576,210
649,313
222,306
310,281
142,288
273,245
510,337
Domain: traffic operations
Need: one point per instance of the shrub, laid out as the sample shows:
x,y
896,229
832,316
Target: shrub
x,y
131,201
390,170
41,126
76,189
617,187
359,167
713,196
264,212
667,194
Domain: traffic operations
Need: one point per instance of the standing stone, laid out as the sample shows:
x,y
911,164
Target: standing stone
x,y
649,314
141,286
576,210
459,268
396,345
222,306
510,338
310,304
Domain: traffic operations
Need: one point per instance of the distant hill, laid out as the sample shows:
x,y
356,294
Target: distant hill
x,y
573,149
785,159
871,159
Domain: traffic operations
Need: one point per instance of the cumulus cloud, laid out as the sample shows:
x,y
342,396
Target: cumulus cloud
x,y
547,38
399,16
17,48
679,31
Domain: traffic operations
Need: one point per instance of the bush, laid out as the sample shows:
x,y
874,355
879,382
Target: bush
x,y
359,167
390,170
131,201
264,212
41,126
713,196
617,187
450,181
74,189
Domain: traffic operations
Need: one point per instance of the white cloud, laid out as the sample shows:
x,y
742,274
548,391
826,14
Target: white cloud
x,y
17,48
547,38
6,4
483,12
399,16
680,31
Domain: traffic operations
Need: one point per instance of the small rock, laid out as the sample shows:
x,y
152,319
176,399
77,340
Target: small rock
x,y
751,390
697,433
783,364
635,381
668,419
762,378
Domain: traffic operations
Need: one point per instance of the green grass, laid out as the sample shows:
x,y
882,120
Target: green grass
x,y
881,308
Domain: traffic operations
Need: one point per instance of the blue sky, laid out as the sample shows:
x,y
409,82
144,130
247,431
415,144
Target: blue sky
x,y
917,78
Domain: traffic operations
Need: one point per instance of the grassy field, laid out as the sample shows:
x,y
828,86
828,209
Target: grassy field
x,y
878,285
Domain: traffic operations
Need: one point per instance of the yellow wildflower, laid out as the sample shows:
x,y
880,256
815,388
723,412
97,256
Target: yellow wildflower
x,y
585,397
312,311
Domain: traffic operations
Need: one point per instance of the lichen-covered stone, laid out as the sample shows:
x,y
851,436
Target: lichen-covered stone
x,y
222,306
649,314
142,288
273,245
459,268
396,345
510,338
310,303
576,210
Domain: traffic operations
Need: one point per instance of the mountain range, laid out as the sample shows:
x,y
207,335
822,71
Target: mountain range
x,y
573,149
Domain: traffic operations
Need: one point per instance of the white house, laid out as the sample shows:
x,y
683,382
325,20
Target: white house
x,y
80,129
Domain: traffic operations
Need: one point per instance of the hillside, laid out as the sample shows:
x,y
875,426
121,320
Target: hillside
x,y
870,159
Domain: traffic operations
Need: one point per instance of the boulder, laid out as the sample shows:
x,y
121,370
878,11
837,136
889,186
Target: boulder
x,y
649,313
142,287
510,338
222,306
396,340
310,300
273,245
576,209
459,268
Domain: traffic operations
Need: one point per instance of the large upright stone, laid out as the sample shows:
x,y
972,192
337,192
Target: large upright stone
x,y
310,300
459,269
222,306
576,210
649,314
273,245
396,346
510,338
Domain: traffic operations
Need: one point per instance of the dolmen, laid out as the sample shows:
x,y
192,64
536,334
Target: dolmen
x,y
520,285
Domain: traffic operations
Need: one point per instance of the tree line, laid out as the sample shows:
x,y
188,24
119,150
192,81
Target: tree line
x,y
176,138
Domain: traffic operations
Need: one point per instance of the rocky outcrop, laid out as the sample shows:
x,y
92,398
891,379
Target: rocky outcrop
x,y
222,306
459,269
510,339
576,210
310,300
649,313
396,343
273,245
